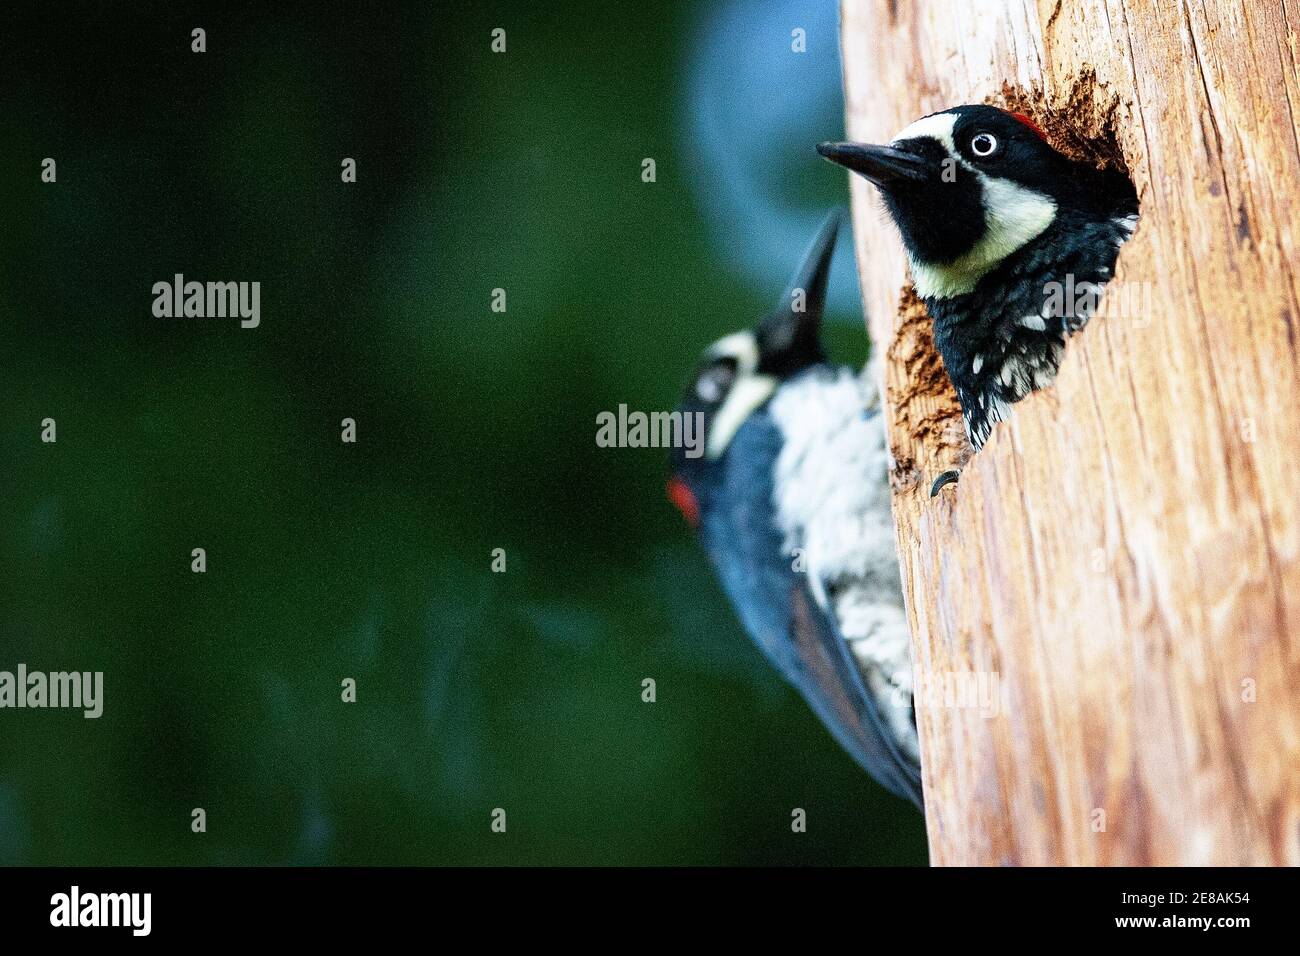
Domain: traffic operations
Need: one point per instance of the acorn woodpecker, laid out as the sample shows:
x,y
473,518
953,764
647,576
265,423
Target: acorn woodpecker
x,y
792,502
1009,242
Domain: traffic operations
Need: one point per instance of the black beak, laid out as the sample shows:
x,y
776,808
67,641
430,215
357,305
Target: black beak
x,y
883,165
789,339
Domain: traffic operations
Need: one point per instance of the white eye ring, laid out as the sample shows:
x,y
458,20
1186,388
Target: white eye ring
x,y
985,140
713,384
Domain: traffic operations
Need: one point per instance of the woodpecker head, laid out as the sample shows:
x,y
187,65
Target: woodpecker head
x,y
739,373
970,186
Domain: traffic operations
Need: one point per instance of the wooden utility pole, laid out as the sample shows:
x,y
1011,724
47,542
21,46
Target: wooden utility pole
x,y
1122,559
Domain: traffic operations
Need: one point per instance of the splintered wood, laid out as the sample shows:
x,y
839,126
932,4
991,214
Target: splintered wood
x,y
1106,608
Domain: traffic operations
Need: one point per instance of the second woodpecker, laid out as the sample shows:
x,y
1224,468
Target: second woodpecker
x,y
1009,243
791,498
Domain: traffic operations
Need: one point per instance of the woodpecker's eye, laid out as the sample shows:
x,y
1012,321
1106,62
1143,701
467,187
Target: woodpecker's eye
x,y
983,144
715,381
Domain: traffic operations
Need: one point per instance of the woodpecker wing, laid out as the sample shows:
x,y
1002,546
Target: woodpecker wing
x,y
779,611
833,687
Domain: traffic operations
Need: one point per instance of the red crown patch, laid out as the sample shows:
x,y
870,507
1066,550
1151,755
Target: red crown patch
x,y
1031,124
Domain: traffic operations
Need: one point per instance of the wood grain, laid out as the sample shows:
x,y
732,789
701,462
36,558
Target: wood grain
x,y
1122,556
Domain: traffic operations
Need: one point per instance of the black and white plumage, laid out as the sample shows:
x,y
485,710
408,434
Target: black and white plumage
x,y
792,502
1010,243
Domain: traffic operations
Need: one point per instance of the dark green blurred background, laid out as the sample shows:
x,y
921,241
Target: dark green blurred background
x,y
476,431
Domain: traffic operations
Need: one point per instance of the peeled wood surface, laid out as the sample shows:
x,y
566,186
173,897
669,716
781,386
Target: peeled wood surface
x,y
1124,552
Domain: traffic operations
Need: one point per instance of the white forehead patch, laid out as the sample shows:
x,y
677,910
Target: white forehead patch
x,y
939,126
741,346
748,391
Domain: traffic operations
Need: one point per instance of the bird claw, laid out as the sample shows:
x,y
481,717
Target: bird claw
x,y
948,477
